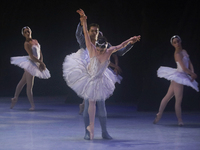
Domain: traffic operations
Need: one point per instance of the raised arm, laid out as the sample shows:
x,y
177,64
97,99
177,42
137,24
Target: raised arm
x,y
80,36
89,45
178,58
124,50
124,44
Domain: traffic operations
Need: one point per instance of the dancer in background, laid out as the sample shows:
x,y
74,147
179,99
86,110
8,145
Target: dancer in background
x,y
183,75
32,64
90,78
113,66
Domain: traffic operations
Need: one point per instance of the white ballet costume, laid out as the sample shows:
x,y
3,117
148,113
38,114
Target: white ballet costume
x,y
88,77
29,65
178,75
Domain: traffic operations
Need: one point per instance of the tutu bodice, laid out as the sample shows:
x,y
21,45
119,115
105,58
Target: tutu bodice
x,y
36,50
96,68
185,60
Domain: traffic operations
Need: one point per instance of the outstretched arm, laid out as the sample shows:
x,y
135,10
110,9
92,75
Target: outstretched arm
x,y
124,44
124,50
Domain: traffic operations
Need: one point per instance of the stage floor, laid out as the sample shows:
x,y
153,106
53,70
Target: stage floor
x,y
55,125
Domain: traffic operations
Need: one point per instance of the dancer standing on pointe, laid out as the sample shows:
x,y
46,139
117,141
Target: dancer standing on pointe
x,y
183,75
94,33
92,79
33,65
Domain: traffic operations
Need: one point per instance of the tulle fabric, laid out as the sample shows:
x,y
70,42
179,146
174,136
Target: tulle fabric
x,y
29,65
89,78
177,76
26,63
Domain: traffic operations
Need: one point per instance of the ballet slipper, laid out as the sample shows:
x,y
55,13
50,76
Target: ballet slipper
x,y
158,117
91,131
13,102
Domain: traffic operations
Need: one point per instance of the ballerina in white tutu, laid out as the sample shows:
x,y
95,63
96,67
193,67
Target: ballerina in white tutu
x,y
87,74
32,64
183,75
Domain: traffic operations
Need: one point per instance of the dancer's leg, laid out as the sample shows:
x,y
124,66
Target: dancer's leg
x,y
18,90
102,114
178,91
165,100
91,112
81,107
86,119
29,87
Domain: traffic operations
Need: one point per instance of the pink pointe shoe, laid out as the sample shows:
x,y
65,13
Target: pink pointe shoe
x,y
91,131
158,117
13,102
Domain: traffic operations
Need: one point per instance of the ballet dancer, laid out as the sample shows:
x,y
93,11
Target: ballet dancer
x,y
87,74
183,75
32,64
94,33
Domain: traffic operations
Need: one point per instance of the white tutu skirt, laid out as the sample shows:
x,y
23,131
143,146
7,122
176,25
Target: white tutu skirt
x,y
177,76
76,75
26,63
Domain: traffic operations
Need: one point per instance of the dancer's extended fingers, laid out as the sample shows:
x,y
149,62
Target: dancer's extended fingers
x,y
138,38
81,12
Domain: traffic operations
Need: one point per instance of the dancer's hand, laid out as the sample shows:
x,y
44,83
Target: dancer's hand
x,y
81,13
42,67
193,76
135,39
84,18
117,70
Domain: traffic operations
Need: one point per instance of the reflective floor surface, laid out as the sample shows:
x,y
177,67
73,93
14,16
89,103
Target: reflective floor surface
x,y
56,125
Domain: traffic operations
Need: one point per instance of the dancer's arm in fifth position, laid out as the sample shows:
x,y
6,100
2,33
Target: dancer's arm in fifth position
x,y
89,45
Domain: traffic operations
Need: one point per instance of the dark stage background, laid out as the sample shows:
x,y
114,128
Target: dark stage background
x,y
54,23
